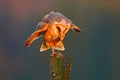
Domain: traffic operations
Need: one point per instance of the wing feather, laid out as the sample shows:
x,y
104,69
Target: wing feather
x,y
75,28
35,35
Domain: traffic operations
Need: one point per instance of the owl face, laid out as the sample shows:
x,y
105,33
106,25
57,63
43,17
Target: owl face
x,y
62,27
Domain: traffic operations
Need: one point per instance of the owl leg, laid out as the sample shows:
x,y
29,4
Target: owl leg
x,y
53,51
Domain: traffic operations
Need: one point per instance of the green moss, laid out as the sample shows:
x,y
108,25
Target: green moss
x,y
59,71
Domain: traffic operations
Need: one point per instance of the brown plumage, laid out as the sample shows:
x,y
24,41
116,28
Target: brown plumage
x,y
53,27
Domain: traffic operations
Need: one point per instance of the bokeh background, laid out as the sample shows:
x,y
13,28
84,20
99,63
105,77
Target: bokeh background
x,y
95,52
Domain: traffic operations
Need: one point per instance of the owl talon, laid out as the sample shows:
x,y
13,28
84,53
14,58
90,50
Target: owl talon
x,y
53,52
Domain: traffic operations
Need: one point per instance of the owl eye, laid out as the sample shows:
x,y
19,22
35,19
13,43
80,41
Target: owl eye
x,y
58,29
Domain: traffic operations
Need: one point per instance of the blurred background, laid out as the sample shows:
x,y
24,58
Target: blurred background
x,y
95,52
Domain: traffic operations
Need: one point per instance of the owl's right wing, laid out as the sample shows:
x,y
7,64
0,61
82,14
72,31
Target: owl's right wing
x,y
36,34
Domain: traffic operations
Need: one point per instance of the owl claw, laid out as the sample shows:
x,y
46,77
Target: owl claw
x,y
53,51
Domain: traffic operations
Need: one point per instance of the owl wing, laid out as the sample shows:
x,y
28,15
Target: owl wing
x,y
36,34
75,28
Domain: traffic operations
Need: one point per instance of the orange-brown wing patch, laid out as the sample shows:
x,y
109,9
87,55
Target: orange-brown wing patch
x,y
35,35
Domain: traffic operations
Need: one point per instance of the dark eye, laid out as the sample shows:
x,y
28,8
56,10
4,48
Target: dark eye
x,y
58,29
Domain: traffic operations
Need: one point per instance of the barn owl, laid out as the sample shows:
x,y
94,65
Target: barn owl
x,y
53,27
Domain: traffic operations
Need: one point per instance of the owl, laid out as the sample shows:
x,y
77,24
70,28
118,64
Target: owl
x,y
53,27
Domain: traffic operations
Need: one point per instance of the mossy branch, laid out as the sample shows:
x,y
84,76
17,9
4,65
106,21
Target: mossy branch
x,y
59,71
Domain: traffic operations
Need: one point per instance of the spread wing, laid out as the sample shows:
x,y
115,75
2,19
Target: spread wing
x,y
75,28
35,35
